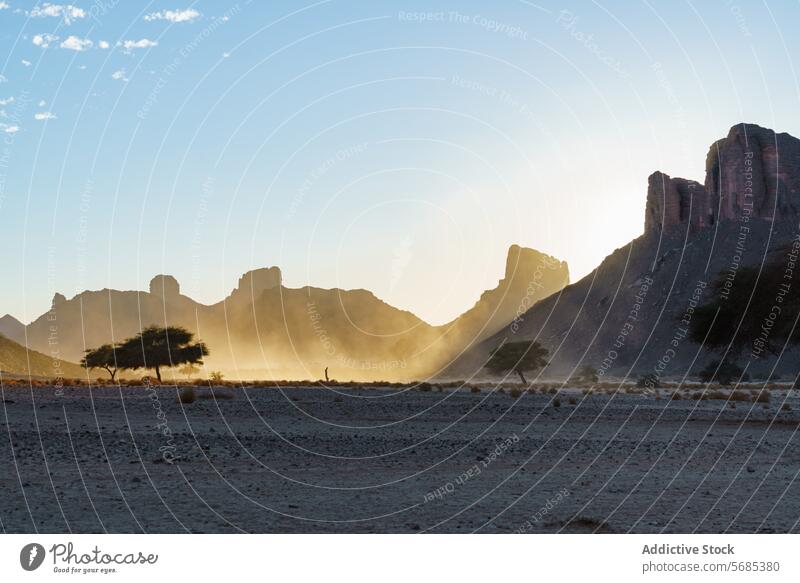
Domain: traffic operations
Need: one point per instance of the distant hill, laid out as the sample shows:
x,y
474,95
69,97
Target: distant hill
x,y
625,318
16,360
263,329
12,328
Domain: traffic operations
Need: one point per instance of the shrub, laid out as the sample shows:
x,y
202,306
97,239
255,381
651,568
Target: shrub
x,y
786,407
187,395
739,396
573,401
515,392
215,376
475,390
723,372
556,402
648,381
762,397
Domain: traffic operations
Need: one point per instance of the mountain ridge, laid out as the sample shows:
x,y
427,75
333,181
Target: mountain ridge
x,y
745,213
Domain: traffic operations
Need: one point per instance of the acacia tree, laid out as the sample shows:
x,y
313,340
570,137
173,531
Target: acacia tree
x,y
159,347
587,374
104,357
756,312
518,357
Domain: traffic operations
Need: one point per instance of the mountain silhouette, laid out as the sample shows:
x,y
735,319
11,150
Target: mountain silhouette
x,y
264,329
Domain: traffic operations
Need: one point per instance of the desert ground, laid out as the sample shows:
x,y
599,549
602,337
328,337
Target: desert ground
x,y
396,459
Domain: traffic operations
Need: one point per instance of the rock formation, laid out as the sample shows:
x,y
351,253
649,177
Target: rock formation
x,y
253,283
530,276
265,330
629,316
165,286
675,202
754,170
751,173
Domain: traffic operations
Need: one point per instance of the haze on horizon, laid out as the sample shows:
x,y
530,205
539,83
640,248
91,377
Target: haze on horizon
x,y
358,146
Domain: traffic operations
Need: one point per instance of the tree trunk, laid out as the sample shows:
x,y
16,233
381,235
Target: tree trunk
x,y
522,377
326,374
158,375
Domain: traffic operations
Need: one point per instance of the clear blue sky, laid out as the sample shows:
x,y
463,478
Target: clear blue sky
x,y
395,146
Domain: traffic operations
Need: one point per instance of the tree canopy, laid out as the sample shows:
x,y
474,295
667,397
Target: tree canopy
x,y
154,348
753,311
103,357
157,347
518,357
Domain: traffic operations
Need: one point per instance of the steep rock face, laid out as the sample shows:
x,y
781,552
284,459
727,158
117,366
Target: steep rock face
x,y
751,173
530,276
630,315
253,283
754,170
675,202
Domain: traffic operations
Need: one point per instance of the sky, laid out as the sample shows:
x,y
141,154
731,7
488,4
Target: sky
x,y
399,147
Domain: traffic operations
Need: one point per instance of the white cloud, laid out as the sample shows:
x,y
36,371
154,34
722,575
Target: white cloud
x,y
42,103
44,115
175,16
74,43
119,75
4,5
9,129
66,11
3,79
103,44
26,62
129,45
6,101
44,40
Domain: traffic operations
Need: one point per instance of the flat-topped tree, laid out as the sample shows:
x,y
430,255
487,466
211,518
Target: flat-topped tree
x,y
159,347
518,357
754,312
103,357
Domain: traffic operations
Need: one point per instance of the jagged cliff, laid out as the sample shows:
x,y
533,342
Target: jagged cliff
x,y
629,316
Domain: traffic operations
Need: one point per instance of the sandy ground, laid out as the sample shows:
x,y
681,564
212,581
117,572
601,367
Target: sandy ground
x,y
375,460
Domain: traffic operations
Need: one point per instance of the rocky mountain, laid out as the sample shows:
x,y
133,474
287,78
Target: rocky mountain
x,y
530,276
264,329
629,316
